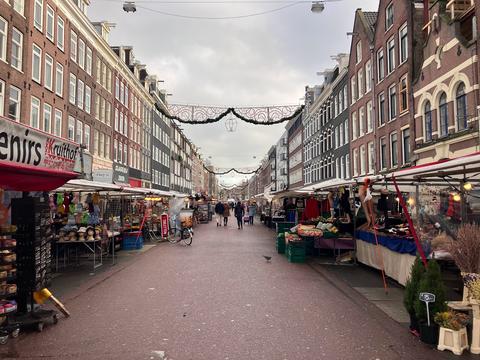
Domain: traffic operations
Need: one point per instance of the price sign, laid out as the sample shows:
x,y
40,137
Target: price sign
x,y
427,298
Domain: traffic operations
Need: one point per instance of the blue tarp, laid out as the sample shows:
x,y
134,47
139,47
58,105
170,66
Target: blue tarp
x,y
402,245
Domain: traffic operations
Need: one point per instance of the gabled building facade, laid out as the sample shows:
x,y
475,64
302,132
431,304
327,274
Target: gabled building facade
x,y
446,91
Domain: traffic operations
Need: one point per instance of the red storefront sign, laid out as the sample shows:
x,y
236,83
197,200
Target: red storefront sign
x,y
135,183
164,219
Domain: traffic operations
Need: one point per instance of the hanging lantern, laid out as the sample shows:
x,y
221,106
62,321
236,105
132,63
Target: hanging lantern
x,y
231,124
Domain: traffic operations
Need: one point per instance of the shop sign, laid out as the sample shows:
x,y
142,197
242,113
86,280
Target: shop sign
x,y
164,219
103,175
120,174
23,145
135,183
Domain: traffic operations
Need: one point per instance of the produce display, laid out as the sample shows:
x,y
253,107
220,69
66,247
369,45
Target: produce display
x,y
292,238
309,230
327,227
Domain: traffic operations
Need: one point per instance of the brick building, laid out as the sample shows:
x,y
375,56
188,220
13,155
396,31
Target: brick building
x,y
446,91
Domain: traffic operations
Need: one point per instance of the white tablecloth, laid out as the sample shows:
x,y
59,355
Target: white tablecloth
x,y
397,266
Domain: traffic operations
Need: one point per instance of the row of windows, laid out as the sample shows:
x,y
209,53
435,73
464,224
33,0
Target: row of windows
x,y
16,55
101,144
161,135
80,53
385,66
45,117
49,19
328,140
160,178
80,94
461,118
328,169
161,157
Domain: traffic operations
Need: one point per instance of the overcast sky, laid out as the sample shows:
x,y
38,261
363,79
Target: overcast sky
x,y
261,60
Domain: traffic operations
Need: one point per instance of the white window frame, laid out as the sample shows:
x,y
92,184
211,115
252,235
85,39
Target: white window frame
x,y
392,88
50,24
368,76
3,40
58,121
72,89
38,23
403,53
88,61
71,128
37,54
391,63
392,150
73,45
19,6
80,94
35,104
2,98
371,157
88,99
47,114
380,67
389,26
59,79
17,63
81,53
60,33
359,51
79,132
48,80
369,114
17,101
86,136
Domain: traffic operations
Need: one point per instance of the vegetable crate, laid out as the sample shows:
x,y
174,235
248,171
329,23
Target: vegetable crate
x,y
295,252
284,226
281,243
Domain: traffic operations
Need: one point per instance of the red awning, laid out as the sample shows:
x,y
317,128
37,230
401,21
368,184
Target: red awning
x,y
21,177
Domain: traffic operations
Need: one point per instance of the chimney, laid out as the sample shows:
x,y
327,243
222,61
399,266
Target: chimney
x,y
103,28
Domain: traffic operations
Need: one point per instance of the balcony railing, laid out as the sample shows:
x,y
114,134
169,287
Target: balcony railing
x,y
459,7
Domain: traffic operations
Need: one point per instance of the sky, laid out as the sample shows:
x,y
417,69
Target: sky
x,y
252,61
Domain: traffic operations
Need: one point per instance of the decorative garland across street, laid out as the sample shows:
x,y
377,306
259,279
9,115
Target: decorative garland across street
x,y
199,115
229,171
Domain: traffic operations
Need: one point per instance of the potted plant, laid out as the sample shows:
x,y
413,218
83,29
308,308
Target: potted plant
x,y
431,282
411,293
465,251
453,332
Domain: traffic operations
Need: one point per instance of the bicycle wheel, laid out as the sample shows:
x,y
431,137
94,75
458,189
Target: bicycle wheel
x,y
187,236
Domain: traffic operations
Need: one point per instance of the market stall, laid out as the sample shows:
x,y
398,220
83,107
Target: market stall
x,y
26,232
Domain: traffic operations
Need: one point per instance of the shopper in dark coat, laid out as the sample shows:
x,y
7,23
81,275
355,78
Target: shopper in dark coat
x,y
219,210
239,213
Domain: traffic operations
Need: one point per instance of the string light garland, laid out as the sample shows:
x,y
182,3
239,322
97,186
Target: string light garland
x,y
231,170
233,111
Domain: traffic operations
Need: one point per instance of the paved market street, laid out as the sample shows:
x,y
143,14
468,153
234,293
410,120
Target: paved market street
x,y
219,299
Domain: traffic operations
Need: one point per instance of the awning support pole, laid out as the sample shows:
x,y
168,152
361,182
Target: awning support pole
x,y
410,222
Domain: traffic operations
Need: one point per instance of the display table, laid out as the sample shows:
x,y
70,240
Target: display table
x,y
93,247
396,265
398,244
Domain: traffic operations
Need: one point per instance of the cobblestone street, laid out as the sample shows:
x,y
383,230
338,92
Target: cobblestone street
x,y
220,299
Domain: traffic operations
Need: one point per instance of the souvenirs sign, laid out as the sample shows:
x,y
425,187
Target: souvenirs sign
x,y
24,145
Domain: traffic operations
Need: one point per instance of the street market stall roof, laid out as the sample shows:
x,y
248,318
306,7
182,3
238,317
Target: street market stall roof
x,y
30,178
88,186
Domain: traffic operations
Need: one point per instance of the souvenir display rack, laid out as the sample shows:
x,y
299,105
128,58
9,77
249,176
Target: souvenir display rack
x,y
34,238
8,288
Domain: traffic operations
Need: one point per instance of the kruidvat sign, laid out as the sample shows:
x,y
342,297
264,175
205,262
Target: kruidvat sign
x,y
23,145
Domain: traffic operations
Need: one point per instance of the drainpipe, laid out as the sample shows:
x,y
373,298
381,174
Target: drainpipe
x,y
374,106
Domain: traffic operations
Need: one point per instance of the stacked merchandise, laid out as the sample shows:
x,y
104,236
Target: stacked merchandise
x,y
8,288
34,255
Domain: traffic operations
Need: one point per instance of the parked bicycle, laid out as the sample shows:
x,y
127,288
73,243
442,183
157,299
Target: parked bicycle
x,y
151,235
178,233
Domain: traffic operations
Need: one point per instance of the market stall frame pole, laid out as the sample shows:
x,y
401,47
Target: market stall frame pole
x,y
410,222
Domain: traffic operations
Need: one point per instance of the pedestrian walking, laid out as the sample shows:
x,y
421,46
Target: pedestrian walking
x,y
252,211
239,213
219,210
226,214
